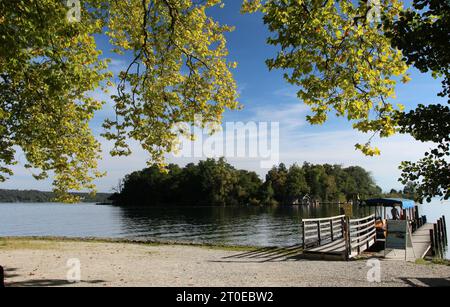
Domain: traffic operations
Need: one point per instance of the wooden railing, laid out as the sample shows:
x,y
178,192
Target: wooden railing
x,y
322,231
361,234
418,221
357,235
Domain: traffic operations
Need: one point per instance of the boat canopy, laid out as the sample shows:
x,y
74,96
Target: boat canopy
x,y
390,202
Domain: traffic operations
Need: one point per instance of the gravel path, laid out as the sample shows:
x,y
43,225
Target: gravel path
x,y
44,263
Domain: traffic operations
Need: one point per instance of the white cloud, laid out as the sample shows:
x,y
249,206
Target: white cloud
x,y
337,147
290,116
288,92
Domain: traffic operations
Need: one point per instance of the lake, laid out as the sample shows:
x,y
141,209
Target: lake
x,y
248,226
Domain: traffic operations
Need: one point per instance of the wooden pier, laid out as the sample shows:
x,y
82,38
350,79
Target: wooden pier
x,y
337,238
421,246
341,238
324,237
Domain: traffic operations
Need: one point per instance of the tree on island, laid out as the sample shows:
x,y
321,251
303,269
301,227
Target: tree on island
x,y
217,183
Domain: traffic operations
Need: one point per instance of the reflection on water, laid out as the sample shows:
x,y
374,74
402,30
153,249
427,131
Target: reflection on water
x,y
259,226
255,226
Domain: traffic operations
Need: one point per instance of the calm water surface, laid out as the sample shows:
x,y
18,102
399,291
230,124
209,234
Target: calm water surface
x,y
255,226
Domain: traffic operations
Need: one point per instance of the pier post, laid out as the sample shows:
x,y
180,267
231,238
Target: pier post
x,y
2,277
416,217
346,233
331,230
441,233
436,240
444,224
303,235
318,232
433,245
357,241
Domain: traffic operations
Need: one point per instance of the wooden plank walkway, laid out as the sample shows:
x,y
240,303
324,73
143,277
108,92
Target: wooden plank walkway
x,y
421,241
421,246
336,247
331,251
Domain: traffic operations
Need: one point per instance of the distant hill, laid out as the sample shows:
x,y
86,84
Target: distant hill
x,y
33,196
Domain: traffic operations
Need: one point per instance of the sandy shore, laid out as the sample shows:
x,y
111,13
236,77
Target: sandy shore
x,y
37,262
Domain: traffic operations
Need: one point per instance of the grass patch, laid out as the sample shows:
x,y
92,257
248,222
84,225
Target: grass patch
x,y
57,240
441,262
26,244
422,262
49,242
433,261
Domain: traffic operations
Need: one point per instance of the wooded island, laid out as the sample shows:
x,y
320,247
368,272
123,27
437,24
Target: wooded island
x,y
217,183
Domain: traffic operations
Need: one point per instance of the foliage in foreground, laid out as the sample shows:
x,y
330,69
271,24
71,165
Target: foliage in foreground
x,y
346,58
337,54
423,35
50,65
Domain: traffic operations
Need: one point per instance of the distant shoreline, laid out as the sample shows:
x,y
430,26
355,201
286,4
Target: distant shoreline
x,y
36,196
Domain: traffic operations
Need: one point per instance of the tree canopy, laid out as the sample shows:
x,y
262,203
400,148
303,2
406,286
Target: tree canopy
x,y
338,55
50,64
423,35
346,57
47,67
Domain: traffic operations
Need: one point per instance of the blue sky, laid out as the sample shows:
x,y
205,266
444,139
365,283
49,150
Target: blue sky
x,y
267,97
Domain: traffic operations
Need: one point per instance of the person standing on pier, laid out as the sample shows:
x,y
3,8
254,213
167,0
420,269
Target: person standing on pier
x,y
395,214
